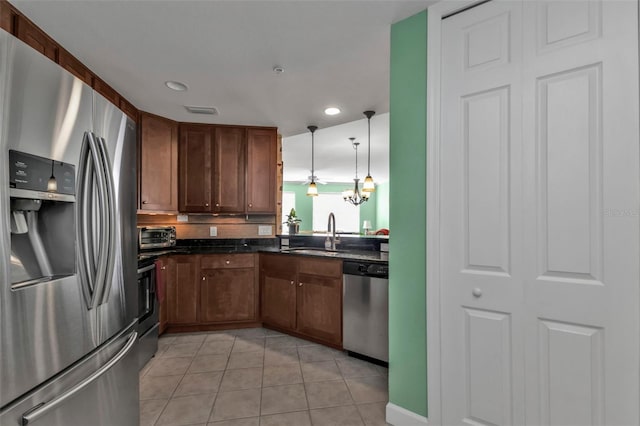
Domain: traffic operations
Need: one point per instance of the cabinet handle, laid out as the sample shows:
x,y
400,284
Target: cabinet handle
x,y
206,204
227,262
217,204
203,278
145,202
292,283
250,205
299,284
163,268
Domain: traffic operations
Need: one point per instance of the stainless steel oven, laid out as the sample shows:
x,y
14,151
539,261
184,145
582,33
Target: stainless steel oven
x,y
148,314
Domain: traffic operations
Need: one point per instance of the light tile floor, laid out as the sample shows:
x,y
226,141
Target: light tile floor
x,y
258,377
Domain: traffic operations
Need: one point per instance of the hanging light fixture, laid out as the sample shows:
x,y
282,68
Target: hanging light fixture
x,y
368,185
354,196
52,183
312,191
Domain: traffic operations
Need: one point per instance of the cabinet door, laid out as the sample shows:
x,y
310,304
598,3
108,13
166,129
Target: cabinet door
x,y
227,295
195,168
261,171
229,169
75,67
183,297
6,16
320,307
36,38
165,283
278,290
158,164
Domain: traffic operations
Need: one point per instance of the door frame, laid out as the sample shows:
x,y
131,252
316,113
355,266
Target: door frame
x,y
435,14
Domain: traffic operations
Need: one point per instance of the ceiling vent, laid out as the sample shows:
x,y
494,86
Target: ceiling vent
x,y
201,110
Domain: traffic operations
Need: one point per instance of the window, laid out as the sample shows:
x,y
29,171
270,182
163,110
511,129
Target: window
x,y
347,215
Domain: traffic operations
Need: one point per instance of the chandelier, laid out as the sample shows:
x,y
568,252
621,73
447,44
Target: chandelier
x,y
355,196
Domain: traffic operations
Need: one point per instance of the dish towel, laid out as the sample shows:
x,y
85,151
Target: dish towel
x,y
159,280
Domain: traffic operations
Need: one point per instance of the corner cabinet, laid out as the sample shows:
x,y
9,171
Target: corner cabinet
x,y
212,291
229,290
302,295
227,169
158,164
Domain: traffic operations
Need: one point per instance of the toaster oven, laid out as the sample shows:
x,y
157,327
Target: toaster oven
x,y
156,237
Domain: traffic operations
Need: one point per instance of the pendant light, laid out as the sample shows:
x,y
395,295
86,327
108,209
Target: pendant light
x,y
312,191
354,196
368,185
52,183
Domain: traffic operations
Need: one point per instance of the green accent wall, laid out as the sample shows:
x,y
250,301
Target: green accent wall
x,y
304,204
407,200
382,205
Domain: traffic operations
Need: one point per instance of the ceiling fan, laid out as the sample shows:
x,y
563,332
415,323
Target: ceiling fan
x,y
315,178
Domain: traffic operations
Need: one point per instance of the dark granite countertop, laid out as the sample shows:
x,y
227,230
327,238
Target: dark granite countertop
x,y
265,246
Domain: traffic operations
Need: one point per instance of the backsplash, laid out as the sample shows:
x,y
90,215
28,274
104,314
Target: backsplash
x,y
199,225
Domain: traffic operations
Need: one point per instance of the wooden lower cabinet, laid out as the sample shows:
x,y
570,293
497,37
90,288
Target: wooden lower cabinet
x,y
185,291
228,295
278,280
303,295
212,290
166,274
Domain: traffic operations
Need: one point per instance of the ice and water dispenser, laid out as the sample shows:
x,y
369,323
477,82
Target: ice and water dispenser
x,y
42,193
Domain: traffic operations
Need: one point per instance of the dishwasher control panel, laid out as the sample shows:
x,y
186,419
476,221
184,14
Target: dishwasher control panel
x,y
366,269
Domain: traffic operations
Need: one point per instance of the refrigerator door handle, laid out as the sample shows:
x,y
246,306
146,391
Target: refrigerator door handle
x,y
104,222
43,408
111,213
84,226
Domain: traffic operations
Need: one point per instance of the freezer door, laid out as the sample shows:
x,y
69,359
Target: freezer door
x,y
44,327
102,390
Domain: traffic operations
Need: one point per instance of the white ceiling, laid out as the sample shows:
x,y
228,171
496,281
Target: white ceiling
x,y
334,53
335,159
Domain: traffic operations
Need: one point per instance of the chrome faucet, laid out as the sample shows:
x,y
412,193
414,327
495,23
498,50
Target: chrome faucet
x,y
329,229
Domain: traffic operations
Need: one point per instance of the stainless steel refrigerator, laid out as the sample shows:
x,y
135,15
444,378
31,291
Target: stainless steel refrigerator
x,y
68,296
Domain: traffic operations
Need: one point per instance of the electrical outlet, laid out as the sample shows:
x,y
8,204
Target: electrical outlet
x,y
182,218
213,231
264,229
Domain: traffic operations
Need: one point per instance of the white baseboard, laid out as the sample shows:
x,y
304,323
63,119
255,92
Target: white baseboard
x,y
398,416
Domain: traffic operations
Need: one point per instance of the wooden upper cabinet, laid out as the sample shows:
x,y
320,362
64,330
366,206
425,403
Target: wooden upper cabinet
x,y
128,108
158,168
75,67
261,171
6,16
36,38
229,169
107,91
195,177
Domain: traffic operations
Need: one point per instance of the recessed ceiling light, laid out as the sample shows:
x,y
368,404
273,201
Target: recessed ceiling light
x,y
176,85
202,110
332,111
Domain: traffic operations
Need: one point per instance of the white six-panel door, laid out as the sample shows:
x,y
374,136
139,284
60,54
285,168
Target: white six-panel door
x,y
540,191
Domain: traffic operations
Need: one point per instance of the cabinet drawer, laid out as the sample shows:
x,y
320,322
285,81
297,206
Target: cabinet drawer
x,y
219,261
323,267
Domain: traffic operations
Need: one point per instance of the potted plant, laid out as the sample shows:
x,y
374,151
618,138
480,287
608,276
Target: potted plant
x,y
293,221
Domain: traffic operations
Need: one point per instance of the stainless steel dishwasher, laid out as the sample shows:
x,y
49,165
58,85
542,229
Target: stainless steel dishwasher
x,y
365,322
